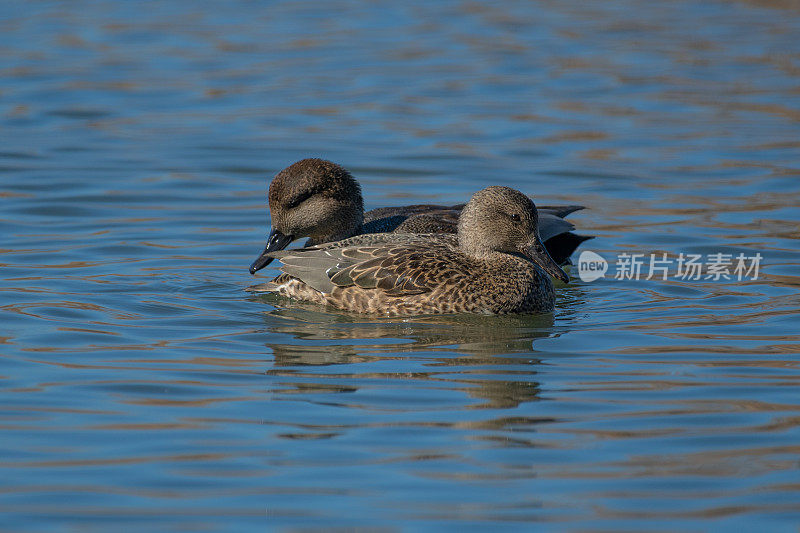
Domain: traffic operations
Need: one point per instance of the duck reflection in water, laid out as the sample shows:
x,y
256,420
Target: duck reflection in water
x,y
473,353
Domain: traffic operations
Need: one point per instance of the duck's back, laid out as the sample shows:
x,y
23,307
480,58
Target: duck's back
x,y
420,218
431,218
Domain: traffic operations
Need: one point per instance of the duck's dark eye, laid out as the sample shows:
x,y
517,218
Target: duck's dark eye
x,y
516,218
299,199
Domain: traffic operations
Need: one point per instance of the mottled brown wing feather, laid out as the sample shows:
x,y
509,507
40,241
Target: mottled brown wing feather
x,y
397,271
395,263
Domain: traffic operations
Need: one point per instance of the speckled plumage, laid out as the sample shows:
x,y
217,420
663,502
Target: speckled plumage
x,y
321,200
490,267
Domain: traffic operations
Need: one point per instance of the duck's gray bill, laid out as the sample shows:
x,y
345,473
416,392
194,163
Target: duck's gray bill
x,y
538,254
276,241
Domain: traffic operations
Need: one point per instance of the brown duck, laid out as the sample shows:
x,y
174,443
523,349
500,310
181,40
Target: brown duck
x,y
496,264
319,199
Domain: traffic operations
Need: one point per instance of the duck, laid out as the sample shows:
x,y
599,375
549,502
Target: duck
x,y
496,263
321,200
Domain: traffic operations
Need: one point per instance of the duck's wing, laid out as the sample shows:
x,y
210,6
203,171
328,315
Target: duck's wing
x,y
405,211
400,266
442,221
420,218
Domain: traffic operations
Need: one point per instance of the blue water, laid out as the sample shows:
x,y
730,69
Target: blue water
x,y
142,387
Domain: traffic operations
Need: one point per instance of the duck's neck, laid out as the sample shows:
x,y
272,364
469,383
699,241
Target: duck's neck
x,y
338,234
475,248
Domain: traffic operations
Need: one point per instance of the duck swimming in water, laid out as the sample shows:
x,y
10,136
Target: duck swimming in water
x,y
495,264
321,200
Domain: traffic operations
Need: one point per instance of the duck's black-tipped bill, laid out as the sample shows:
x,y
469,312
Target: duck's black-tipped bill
x,y
537,253
276,241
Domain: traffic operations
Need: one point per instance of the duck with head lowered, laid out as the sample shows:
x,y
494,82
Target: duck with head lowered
x,y
321,200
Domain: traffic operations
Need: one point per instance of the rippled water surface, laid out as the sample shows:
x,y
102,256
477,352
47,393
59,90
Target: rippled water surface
x,y
142,387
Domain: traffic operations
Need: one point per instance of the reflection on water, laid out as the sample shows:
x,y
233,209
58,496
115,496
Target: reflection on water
x,y
142,386
483,361
474,335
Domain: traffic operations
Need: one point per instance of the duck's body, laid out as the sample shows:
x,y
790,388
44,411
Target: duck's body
x,y
405,274
495,265
320,200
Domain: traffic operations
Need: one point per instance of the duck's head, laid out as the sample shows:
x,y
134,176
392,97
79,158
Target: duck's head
x,y
501,219
311,198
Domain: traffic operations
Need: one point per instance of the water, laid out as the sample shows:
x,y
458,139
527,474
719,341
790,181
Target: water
x,y
142,386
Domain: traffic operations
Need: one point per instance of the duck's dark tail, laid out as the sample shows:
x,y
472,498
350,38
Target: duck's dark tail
x,y
559,210
563,245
